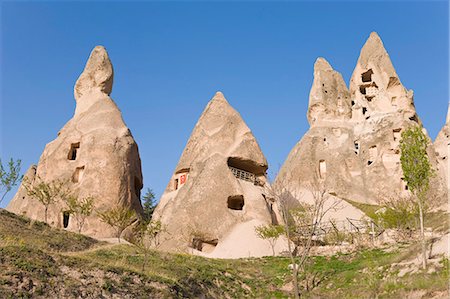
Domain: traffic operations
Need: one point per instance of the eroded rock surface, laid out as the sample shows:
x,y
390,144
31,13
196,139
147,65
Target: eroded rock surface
x,y
218,186
353,141
95,152
442,148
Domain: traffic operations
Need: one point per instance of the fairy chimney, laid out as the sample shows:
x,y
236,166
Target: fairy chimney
x,y
218,189
94,153
353,142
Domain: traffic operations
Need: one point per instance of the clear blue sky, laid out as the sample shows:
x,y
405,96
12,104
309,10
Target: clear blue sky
x,y
171,57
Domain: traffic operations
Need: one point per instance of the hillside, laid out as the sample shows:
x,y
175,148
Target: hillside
x,y
41,262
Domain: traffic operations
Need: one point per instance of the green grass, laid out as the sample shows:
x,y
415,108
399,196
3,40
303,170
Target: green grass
x,y
40,262
367,209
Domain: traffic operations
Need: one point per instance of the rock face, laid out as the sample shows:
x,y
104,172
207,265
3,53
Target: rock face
x,y
353,141
95,152
218,187
442,148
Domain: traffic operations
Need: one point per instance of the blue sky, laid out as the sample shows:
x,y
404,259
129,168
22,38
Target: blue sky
x,y
171,57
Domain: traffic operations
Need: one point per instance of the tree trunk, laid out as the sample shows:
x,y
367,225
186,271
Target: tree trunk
x,y
422,237
3,196
145,260
294,264
45,214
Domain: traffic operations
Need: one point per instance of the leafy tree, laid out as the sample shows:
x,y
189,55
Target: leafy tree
x,y
47,193
147,237
149,204
9,177
119,218
271,233
417,171
80,209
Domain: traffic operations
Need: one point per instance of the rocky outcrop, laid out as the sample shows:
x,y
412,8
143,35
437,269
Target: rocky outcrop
x,y
353,142
94,152
442,148
217,188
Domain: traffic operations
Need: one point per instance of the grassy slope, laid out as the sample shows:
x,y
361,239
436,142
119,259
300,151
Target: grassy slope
x,y
40,262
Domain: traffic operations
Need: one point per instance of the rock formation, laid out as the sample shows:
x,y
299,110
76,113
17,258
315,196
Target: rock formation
x,y
442,148
216,195
353,141
94,152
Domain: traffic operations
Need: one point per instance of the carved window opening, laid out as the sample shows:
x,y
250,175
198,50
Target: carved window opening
x,y
204,245
362,89
246,170
353,103
66,218
236,202
373,153
78,174
397,134
137,187
356,147
322,168
175,184
404,184
367,76
73,151
414,118
364,110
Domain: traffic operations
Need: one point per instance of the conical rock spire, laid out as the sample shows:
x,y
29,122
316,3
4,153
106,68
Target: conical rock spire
x,y
329,98
218,187
442,150
94,153
353,142
375,84
98,74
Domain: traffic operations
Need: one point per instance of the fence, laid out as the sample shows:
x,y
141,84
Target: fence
x,y
244,175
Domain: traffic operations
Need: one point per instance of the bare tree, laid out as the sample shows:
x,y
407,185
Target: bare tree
x,y
302,218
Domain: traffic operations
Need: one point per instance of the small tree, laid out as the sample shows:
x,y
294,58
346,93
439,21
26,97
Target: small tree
x,y
47,193
9,177
147,237
398,213
417,171
80,209
119,218
149,204
271,233
301,223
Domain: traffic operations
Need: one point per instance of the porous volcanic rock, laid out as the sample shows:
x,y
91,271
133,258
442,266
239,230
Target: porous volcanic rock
x,y
353,141
442,148
218,187
94,152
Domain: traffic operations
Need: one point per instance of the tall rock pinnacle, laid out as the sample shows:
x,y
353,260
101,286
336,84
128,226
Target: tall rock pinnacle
x,y
353,142
94,152
442,149
375,86
98,74
329,98
217,189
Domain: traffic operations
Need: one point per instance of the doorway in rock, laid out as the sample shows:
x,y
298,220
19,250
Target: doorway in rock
x,y
66,217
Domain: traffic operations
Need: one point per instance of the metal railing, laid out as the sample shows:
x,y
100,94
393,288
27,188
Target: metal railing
x,y
244,175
